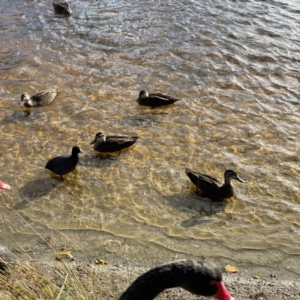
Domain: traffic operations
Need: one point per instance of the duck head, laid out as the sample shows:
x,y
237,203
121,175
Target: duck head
x,y
143,94
62,8
99,137
24,98
229,174
68,8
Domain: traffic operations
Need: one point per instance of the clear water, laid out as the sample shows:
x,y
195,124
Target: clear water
x,y
236,66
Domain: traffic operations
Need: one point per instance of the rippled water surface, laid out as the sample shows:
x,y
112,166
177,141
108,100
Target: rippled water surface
x,y
235,64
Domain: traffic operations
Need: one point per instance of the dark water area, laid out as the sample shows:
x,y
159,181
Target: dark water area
x,y
234,64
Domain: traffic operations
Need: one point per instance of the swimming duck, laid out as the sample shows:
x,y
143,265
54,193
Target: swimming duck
x,y
41,98
62,8
210,187
155,99
62,165
112,143
4,186
198,277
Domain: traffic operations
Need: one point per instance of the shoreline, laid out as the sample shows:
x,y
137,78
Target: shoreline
x,y
108,281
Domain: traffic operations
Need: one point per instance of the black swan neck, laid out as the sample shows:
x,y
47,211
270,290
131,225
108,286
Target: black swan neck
x,y
193,276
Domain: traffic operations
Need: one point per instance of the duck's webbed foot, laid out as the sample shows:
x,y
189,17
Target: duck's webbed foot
x,y
111,157
199,193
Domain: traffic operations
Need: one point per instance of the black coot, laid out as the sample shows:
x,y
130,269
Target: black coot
x,y
62,165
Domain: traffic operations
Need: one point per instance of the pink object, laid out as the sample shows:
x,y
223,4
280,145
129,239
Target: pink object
x,y
4,186
222,293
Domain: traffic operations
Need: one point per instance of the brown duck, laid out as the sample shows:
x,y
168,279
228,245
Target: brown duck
x,y
112,143
210,187
154,100
42,98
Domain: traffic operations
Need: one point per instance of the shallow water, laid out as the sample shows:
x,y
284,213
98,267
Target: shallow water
x,y
236,66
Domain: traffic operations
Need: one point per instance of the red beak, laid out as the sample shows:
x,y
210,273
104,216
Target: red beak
x,y
222,293
4,186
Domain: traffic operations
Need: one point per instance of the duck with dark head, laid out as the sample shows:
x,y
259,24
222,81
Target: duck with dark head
x,y
42,98
112,143
155,99
210,187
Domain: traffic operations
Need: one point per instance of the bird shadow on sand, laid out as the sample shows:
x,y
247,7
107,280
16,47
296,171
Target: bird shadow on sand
x,y
202,208
103,159
34,190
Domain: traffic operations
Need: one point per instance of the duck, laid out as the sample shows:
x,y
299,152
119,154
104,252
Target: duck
x,y
199,277
112,143
62,165
210,187
42,98
155,99
62,8
4,186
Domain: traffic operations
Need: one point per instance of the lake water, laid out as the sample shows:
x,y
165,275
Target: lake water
x,y
236,66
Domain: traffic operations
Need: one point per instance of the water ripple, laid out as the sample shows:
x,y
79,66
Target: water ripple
x,y
234,64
